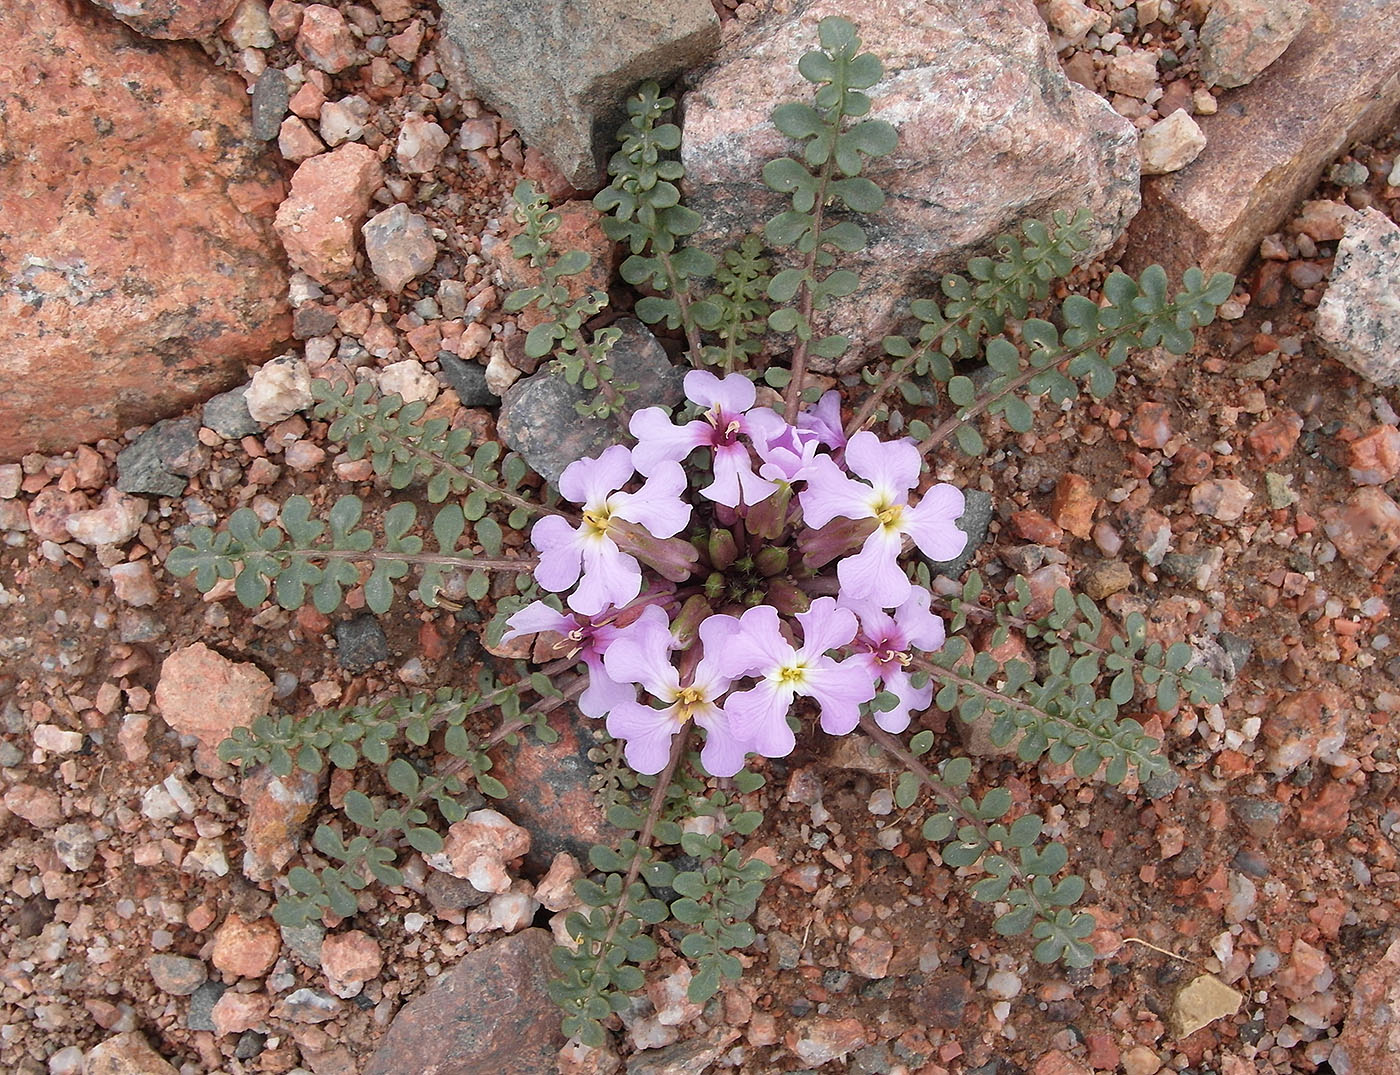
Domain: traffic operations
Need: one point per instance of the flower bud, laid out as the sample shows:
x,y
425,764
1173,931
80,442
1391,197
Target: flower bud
x,y
671,558
686,626
787,598
715,586
838,537
724,550
768,518
771,561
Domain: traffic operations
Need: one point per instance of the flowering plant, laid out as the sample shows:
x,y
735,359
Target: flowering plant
x,y
737,570
751,615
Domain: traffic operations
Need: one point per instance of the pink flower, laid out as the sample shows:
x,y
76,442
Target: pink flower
x,y
892,469
587,639
644,657
759,715
884,646
788,454
589,554
729,415
824,421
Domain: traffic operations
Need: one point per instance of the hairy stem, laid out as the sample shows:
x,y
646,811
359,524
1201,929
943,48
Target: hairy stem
x,y
682,297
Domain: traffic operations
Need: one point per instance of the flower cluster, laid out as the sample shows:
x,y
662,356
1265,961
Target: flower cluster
x,y
741,616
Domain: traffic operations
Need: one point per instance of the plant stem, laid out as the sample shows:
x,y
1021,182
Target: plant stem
x,y
682,297
484,563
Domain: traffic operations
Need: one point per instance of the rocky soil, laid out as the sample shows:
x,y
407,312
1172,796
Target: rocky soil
x,y
1243,497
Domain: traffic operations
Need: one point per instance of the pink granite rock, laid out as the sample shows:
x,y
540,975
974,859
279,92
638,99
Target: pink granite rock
x,y
126,1054
329,201
204,694
245,949
990,134
324,39
479,847
1366,530
171,19
353,956
1341,84
139,273
1370,1039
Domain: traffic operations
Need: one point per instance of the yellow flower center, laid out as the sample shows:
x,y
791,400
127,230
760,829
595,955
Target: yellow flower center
x,y
888,515
688,701
596,523
792,675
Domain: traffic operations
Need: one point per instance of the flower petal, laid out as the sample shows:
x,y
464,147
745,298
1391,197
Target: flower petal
x,y
647,732
824,420
659,441
911,698
589,481
561,551
723,753
920,628
733,395
891,466
610,577
536,617
759,646
759,718
830,493
932,523
874,573
824,627
603,693
839,688
644,656
657,505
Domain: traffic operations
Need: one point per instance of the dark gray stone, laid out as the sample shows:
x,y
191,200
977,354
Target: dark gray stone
x,y
1260,817
684,1057
974,521
538,414
250,1044
468,380
360,643
305,942
448,893
559,71
271,93
1159,785
1239,649
160,459
227,414
200,1015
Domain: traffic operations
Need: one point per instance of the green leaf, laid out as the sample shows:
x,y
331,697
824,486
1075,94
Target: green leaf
x,y
961,391
402,777
797,120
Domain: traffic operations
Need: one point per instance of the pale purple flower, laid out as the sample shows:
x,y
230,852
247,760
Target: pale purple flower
x,y
824,421
788,453
892,469
759,715
644,657
729,415
588,554
585,638
884,646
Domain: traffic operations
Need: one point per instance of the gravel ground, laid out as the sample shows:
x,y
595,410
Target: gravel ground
x,y
1223,496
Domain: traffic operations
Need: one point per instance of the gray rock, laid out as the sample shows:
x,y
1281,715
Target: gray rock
x,y
400,246
250,1044
179,976
1358,320
490,1013
200,1015
360,643
1240,38
1260,817
271,93
974,521
559,71
684,1057
227,414
468,380
75,845
448,893
162,458
1161,784
538,416
305,942
991,133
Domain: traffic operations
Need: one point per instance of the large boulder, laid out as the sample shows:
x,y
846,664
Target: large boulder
x,y
991,133
171,19
1269,142
559,71
138,270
